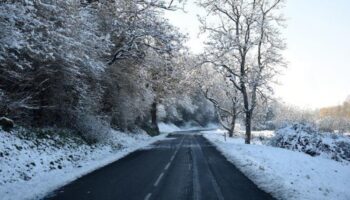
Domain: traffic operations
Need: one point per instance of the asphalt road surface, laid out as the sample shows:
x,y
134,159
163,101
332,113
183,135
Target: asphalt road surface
x,y
183,166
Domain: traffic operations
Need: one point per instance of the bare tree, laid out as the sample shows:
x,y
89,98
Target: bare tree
x,y
245,42
225,98
227,117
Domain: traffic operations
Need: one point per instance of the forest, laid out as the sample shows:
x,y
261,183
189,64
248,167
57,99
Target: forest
x,y
85,64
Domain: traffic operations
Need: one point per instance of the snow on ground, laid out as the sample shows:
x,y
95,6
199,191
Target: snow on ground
x,y
168,127
258,137
284,173
32,166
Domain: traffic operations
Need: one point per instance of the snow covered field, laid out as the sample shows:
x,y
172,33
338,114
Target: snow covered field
x,y
38,165
284,173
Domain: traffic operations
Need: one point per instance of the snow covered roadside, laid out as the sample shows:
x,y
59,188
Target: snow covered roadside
x,y
168,127
30,169
284,173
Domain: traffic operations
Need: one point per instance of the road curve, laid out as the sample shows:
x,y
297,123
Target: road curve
x,y
184,166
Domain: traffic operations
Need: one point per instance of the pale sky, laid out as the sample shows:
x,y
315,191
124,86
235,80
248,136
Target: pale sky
x,y
318,53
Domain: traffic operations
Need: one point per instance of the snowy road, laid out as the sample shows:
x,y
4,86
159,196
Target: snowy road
x,y
185,166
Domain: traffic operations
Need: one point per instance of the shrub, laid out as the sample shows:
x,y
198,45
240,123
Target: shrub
x,y
306,138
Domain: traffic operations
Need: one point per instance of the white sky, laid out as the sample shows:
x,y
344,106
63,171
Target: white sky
x,y
318,53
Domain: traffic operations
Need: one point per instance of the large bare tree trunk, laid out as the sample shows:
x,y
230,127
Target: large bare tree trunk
x,y
232,129
248,126
154,123
247,110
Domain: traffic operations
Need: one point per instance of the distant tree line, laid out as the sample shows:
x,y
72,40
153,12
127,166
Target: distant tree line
x,y
337,111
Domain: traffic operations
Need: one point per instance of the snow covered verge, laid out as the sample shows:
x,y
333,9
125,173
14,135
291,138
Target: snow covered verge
x,y
168,127
284,173
32,164
306,138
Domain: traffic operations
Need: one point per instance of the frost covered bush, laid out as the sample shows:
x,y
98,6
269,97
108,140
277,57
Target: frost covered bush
x,y
97,131
92,128
306,138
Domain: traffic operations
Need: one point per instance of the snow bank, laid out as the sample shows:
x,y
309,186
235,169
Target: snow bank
x,y
257,137
169,127
34,164
286,174
306,138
